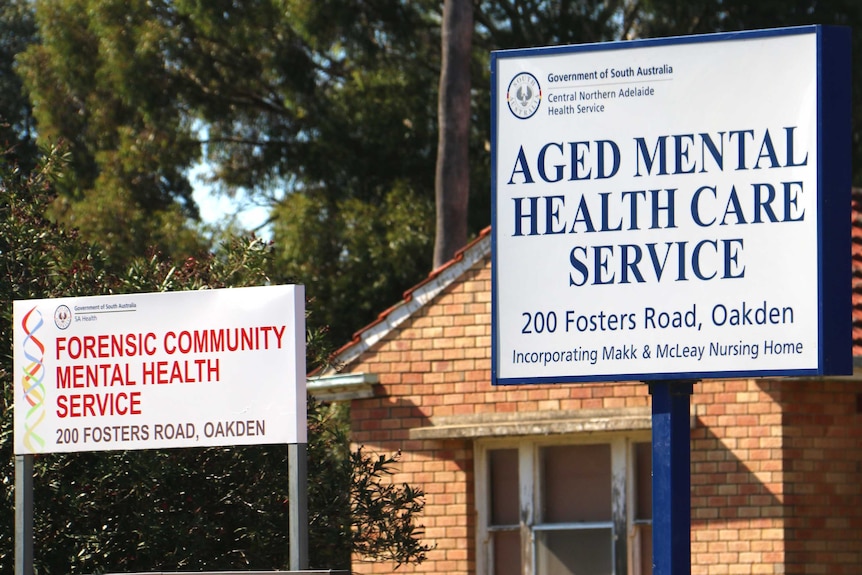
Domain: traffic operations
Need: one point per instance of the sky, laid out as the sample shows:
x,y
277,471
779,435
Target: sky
x,y
214,208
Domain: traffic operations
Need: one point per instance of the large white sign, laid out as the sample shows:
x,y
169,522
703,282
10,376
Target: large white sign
x,y
160,370
672,208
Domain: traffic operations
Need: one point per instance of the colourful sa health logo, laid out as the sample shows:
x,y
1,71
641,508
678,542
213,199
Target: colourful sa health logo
x,y
524,95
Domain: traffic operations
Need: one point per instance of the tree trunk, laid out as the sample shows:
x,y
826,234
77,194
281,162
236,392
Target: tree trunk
x,y
452,177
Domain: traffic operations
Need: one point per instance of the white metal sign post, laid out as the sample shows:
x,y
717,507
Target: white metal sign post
x,y
668,210
160,370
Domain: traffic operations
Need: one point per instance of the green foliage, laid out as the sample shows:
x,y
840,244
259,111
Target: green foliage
x,y
371,249
282,97
389,530
182,509
38,259
333,100
382,526
97,84
17,31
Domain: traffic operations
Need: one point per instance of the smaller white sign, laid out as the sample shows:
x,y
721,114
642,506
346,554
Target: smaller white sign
x,y
160,370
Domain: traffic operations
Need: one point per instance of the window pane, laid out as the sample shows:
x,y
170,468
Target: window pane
x,y
576,483
643,481
503,471
644,543
579,552
507,552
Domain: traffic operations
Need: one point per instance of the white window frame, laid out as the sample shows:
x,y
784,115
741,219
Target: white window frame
x,y
623,476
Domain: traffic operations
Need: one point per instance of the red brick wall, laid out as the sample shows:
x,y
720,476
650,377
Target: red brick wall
x,y
745,465
823,474
737,479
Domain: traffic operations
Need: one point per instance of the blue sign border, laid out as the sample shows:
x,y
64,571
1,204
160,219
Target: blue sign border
x,y
834,141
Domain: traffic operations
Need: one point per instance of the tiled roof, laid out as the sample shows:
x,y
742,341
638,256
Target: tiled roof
x,y
415,298
441,277
856,251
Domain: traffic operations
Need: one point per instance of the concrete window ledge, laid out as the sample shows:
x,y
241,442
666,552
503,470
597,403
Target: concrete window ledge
x,y
342,387
534,423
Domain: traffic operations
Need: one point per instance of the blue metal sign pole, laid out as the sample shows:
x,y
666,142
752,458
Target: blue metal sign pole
x,y
671,476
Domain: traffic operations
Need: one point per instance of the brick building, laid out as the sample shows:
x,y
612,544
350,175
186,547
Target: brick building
x,y
524,479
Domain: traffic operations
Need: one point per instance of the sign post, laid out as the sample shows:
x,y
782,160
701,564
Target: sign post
x,y
297,466
670,210
161,370
23,515
671,476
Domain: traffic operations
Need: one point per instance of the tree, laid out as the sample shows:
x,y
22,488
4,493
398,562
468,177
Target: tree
x,y
353,255
96,83
452,178
282,97
17,31
216,508
325,107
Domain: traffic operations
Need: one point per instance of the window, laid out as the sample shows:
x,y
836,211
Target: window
x,y
565,507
